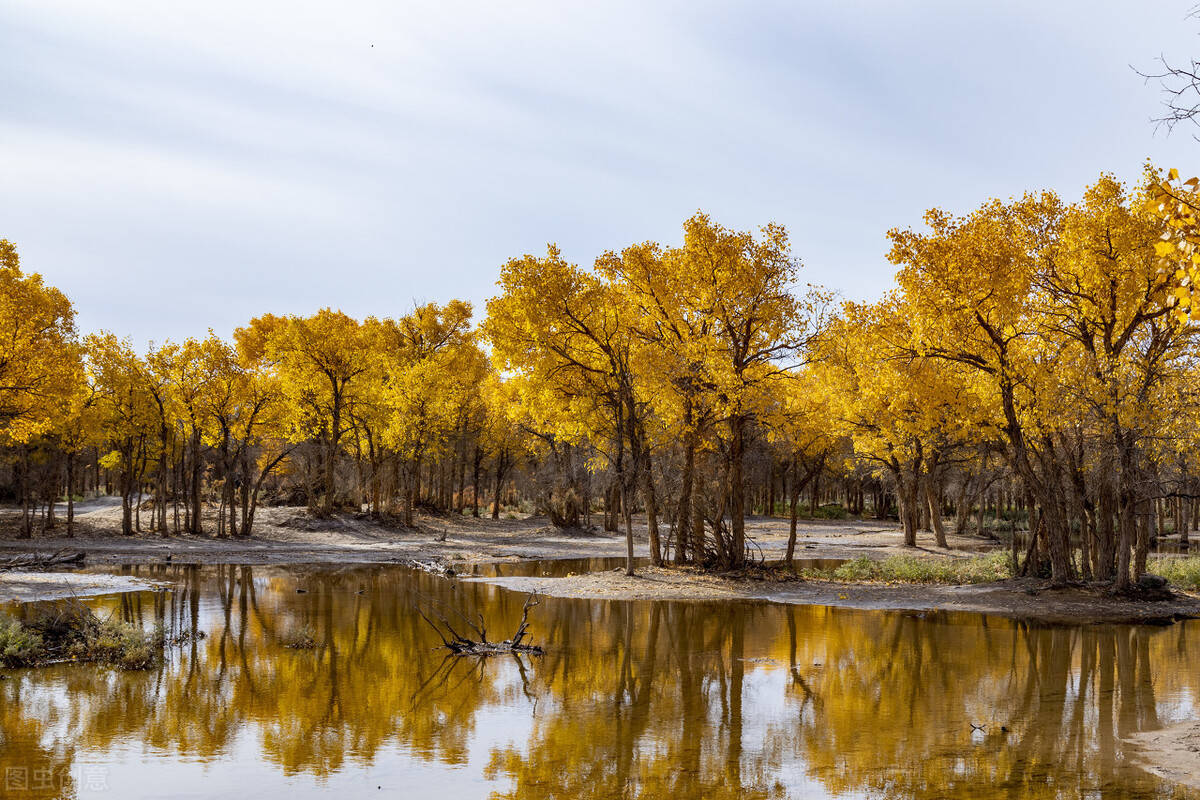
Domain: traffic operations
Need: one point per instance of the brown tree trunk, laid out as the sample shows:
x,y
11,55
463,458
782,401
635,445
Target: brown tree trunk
x,y
907,492
683,519
196,525
737,490
1128,535
651,507
1146,532
26,519
330,459
475,469
70,493
793,513
1184,526
500,458
935,513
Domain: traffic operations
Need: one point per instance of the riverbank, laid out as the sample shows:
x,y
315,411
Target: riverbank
x,y
1021,598
292,536
25,587
1172,753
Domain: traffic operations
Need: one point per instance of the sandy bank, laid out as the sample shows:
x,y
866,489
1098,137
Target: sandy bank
x,y
289,535
1019,599
1171,753
28,586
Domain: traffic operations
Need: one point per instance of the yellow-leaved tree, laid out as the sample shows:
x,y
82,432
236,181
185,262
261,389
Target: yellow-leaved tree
x,y
322,361
39,357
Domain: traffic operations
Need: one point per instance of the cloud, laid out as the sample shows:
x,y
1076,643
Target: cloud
x,y
176,166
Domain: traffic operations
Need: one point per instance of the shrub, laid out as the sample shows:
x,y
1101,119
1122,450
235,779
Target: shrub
x,y
831,511
19,646
71,631
121,644
1182,571
912,569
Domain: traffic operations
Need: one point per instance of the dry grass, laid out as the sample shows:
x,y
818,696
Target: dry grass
x,y
59,632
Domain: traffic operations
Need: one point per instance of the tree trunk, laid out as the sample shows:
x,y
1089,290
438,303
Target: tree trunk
x,y
907,492
935,513
1184,526
737,491
196,525
26,520
1146,533
1128,534
330,458
500,458
651,507
794,512
70,493
683,519
475,468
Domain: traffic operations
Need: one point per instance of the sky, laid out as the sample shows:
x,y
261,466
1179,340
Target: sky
x,y
181,166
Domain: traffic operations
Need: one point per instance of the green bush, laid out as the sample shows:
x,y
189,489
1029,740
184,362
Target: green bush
x,y
831,511
19,646
1181,571
912,569
827,511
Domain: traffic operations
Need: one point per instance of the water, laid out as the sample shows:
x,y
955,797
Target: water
x,y
555,568
632,699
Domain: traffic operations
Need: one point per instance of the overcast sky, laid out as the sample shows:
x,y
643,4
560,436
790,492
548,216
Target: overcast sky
x,y
175,166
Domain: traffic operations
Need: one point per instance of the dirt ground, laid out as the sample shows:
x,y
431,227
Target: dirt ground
x,y
290,535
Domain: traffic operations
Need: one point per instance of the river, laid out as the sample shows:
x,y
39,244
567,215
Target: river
x,y
631,699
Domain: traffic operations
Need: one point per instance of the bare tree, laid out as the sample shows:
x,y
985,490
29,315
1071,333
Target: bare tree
x,y
1180,86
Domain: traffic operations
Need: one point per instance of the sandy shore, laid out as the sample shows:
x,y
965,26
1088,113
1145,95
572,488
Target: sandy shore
x,y
285,535
1019,599
291,536
24,587
1171,753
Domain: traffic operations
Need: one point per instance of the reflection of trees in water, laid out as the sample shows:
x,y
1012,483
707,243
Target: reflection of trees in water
x,y
631,700
882,703
653,709
897,697
42,763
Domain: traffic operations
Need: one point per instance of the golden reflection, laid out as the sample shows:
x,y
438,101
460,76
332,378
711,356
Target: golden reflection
x,y
631,700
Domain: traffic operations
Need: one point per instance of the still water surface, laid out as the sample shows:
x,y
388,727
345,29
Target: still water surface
x,y
632,699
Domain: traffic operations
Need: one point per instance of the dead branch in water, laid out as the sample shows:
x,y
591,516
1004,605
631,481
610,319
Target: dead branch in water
x,y
60,558
461,645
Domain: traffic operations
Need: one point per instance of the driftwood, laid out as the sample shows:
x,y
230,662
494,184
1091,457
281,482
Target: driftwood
x,y
460,645
60,558
432,567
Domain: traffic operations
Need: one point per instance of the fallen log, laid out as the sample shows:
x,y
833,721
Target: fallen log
x,y
461,645
60,558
